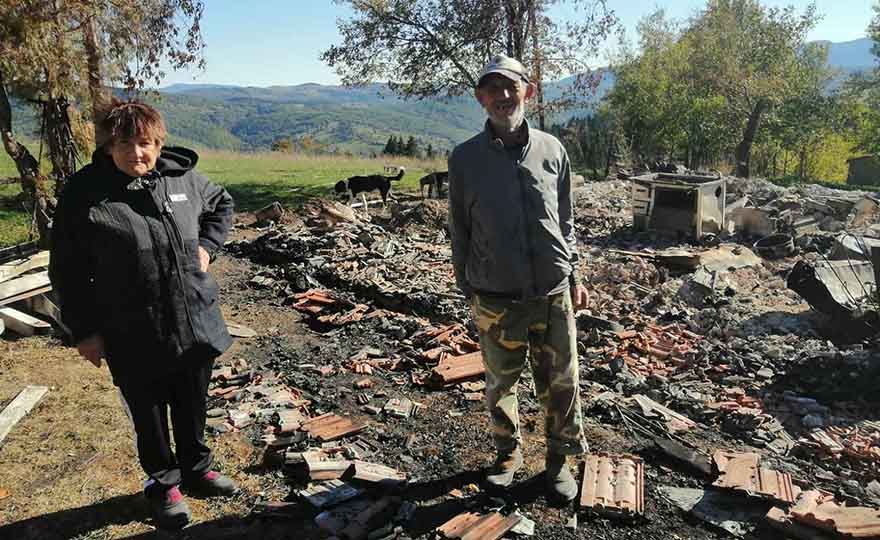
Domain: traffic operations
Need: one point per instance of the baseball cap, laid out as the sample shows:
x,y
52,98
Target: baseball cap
x,y
505,65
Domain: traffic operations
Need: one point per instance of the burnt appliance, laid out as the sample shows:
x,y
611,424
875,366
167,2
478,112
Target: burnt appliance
x,y
684,205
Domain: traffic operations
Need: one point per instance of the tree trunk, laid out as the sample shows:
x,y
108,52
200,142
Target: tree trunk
x,y
609,151
33,184
744,148
802,164
536,54
100,97
59,138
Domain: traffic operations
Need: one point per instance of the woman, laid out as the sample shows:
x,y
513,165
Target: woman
x,y
133,237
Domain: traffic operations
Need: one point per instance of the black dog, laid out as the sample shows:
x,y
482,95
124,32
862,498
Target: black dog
x,y
361,185
433,181
340,188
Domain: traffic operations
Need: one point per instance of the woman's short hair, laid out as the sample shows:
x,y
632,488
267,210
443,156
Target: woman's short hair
x,y
127,120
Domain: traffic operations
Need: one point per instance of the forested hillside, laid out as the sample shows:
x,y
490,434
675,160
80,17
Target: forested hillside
x,y
357,120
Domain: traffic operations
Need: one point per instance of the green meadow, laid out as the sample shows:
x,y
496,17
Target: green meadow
x,y
253,179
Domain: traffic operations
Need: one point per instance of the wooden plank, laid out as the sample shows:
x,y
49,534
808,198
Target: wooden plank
x,y
26,400
19,267
25,295
23,285
41,304
18,251
22,323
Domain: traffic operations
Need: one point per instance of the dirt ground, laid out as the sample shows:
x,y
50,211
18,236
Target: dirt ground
x,y
69,469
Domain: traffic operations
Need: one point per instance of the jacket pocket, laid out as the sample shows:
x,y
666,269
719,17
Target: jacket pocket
x,y
204,297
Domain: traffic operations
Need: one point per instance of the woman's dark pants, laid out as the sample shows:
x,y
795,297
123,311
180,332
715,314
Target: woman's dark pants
x,y
184,394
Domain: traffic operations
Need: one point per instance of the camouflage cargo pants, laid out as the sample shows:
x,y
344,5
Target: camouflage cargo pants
x,y
542,330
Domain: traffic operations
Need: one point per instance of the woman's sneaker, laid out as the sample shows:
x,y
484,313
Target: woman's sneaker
x,y
210,484
169,509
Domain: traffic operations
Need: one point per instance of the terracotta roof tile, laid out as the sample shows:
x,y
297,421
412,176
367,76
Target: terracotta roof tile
x,y
613,485
742,471
470,526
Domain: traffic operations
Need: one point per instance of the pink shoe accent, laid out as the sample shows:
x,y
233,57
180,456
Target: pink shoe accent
x,y
173,496
210,476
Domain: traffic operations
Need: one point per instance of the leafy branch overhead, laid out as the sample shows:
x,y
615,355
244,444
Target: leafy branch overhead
x,y
60,53
707,86
428,48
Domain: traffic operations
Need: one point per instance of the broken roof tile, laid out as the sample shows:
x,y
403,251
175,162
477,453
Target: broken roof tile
x,y
377,473
742,471
455,369
328,493
818,509
471,526
321,466
816,516
289,419
329,427
454,337
400,407
613,485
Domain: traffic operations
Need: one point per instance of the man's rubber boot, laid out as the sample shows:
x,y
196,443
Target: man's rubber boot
x,y
506,465
560,483
168,508
210,484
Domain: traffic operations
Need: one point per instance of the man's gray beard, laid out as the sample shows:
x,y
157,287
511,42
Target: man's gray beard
x,y
509,124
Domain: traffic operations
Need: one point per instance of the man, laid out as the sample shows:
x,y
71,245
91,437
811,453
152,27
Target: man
x,y
515,259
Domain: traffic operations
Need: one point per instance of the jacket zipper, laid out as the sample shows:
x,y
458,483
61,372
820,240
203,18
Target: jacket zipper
x,y
168,215
528,233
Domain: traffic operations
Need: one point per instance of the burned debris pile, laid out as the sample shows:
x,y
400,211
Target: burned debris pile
x,y
405,271
711,339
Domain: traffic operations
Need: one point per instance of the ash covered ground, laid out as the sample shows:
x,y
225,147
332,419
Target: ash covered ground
x,y
351,314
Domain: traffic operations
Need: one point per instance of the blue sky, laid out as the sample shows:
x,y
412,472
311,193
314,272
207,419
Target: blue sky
x,y
277,42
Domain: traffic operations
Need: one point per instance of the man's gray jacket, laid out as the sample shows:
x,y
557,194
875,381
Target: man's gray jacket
x,y
510,217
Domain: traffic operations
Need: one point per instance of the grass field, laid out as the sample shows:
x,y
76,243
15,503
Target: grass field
x,y
254,180
14,220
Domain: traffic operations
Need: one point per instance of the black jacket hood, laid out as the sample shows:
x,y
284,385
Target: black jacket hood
x,y
173,161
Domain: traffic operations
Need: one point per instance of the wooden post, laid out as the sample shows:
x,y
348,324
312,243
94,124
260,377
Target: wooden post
x,y
875,260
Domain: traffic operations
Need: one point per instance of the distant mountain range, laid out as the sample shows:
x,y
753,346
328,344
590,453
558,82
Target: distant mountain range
x,y
357,120
851,55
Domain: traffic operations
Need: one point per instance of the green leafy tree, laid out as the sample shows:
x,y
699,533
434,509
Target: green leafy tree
x,y
660,107
863,94
700,92
63,54
754,57
411,148
390,146
438,47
